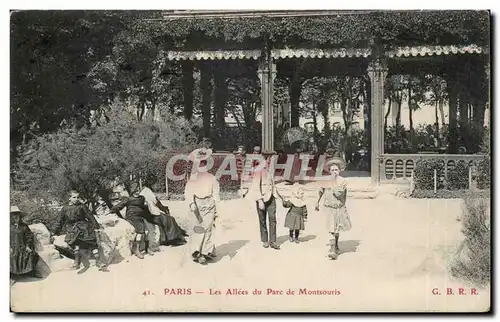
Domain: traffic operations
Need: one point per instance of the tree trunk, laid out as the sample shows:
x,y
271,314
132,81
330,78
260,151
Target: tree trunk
x,y
220,100
387,114
236,118
141,109
295,92
452,114
463,103
206,88
323,109
436,113
470,112
438,136
479,110
441,112
188,88
410,111
315,124
153,108
398,115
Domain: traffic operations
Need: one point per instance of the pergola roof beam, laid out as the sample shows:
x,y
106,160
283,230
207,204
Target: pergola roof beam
x,y
288,53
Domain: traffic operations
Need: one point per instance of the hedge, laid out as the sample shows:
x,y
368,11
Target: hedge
x,y
456,179
424,174
484,174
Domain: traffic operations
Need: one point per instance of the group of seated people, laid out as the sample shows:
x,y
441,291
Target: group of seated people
x,y
143,211
84,234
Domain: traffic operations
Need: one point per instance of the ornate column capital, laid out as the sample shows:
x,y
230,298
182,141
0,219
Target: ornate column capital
x,y
263,69
273,71
376,68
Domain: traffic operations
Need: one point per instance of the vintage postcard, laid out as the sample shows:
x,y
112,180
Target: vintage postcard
x,y
250,161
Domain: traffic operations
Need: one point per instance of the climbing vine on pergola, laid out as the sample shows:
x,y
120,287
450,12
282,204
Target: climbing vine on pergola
x,y
386,28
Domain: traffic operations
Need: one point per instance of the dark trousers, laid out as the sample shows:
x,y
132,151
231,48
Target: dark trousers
x,y
270,211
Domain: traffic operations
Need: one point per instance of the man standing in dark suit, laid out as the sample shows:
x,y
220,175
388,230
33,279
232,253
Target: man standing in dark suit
x,y
263,191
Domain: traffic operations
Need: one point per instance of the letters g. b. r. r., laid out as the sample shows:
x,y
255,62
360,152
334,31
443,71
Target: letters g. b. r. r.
x,y
455,291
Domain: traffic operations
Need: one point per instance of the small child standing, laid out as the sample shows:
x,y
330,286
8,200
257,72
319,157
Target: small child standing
x,y
297,215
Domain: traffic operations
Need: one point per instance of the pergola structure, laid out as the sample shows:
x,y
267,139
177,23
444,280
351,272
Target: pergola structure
x,y
448,61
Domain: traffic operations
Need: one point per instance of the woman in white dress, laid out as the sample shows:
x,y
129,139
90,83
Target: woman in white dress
x,y
335,195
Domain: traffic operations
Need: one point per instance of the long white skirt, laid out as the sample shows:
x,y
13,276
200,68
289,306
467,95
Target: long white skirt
x,y
337,219
203,243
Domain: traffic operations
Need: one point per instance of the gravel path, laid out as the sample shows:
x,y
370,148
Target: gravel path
x,y
393,258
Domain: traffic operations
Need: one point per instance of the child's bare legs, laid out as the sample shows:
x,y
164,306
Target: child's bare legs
x,y
334,243
337,250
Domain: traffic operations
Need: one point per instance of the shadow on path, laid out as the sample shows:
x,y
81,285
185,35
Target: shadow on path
x,y
282,239
348,246
229,249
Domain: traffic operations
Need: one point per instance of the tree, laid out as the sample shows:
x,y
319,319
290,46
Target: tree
x,y
436,86
138,71
416,95
397,86
244,100
51,54
315,103
92,159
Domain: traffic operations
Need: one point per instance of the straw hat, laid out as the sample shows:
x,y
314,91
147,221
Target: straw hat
x,y
14,210
200,154
335,160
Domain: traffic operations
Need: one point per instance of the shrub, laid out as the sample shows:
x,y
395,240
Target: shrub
x,y
424,174
458,177
484,174
473,260
36,212
471,137
484,167
90,160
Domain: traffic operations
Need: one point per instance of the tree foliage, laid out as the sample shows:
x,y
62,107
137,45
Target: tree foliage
x,y
51,55
66,65
90,160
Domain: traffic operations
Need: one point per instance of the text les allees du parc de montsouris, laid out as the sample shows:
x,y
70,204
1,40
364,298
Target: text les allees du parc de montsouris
x,y
240,291
299,291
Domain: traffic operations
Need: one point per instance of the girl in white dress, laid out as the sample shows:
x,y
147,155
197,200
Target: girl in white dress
x,y
335,195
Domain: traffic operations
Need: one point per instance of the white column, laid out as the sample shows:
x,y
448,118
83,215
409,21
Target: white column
x,y
377,71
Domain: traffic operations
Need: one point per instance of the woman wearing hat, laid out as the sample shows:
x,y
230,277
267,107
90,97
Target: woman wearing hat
x,y
23,257
335,195
202,193
80,226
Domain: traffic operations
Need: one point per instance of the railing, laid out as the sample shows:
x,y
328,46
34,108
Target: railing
x,y
395,167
